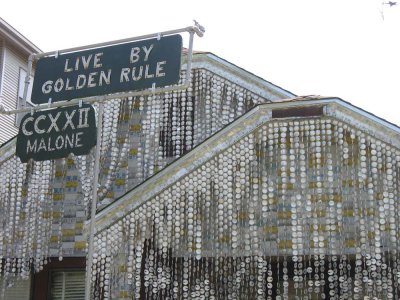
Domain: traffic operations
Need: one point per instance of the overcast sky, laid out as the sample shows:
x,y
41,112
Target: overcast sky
x,y
342,48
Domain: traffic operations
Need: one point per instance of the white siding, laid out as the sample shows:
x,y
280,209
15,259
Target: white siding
x,y
1,62
13,62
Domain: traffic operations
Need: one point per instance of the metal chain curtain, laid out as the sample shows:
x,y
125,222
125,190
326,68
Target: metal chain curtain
x,y
43,205
305,209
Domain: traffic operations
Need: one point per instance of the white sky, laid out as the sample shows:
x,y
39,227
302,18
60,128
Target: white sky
x,y
337,48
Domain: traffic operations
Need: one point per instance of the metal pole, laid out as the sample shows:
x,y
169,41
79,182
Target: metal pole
x,y
94,203
195,29
27,78
189,59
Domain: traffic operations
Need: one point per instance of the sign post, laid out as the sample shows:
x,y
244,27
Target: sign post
x,y
94,202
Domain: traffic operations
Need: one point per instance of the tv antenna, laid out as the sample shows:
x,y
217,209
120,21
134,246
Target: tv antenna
x,y
390,4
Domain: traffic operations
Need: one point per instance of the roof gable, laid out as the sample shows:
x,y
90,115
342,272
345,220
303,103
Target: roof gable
x,y
334,108
16,38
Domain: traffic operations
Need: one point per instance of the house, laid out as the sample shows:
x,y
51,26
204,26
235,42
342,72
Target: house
x,y
232,188
14,52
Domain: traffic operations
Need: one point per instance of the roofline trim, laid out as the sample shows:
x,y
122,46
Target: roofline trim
x,y
245,77
16,37
257,78
341,102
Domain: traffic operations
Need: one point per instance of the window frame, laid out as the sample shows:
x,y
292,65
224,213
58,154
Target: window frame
x,y
65,273
41,280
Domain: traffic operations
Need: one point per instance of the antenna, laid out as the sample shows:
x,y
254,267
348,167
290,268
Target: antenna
x,y
390,4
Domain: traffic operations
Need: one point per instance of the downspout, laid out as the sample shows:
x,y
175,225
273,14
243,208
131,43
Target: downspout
x,y
2,67
26,85
27,79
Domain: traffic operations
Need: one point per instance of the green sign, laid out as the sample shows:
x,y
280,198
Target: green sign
x,y
107,70
55,133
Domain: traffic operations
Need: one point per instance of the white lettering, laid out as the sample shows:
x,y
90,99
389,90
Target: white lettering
x,y
147,51
69,120
58,139
80,84
135,54
66,69
30,147
83,121
36,127
146,74
24,131
103,76
69,141
124,75
160,68
96,62
78,139
58,85
49,145
86,61
139,75
67,86
47,87
91,82
42,145
63,141
77,64
54,122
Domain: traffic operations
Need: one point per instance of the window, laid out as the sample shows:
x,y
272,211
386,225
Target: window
x,y
60,280
66,285
308,111
21,87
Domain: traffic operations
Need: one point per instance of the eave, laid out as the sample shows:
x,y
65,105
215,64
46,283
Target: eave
x,y
239,76
16,38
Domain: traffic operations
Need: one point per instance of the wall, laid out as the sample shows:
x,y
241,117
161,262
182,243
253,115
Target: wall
x,y
13,61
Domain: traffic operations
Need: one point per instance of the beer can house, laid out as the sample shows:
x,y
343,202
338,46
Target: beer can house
x,y
232,189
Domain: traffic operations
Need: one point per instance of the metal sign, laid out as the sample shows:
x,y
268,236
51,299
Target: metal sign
x,y
113,69
56,133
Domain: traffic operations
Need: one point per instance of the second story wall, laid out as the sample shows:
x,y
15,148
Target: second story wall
x,y
14,67
1,63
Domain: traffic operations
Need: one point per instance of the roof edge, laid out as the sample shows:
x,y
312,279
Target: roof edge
x,y
18,38
240,76
301,100
256,77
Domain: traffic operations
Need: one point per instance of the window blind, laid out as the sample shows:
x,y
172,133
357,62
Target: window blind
x,y
67,285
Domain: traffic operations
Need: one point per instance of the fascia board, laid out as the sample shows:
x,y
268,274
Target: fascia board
x,y
239,76
17,38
